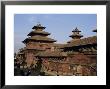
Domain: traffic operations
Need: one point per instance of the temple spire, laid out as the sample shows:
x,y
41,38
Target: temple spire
x,y
38,26
76,34
39,35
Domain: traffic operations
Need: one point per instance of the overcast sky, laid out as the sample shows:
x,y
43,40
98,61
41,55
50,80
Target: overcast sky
x,y
59,25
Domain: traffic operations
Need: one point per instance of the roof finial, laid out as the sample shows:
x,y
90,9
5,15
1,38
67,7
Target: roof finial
x,y
76,29
38,24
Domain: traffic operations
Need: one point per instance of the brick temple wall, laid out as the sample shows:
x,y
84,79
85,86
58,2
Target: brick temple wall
x,y
30,54
75,65
29,58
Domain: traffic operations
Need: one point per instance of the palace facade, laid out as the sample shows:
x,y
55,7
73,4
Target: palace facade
x,y
43,56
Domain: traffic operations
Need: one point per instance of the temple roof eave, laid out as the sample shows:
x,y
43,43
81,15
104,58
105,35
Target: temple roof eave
x,y
84,41
36,49
38,32
40,27
36,40
76,35
51,54
76,31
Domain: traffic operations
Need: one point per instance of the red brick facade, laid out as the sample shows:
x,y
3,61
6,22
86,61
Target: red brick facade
x,y
77,57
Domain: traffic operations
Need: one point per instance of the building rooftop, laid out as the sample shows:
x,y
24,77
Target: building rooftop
x,y
76,30
84,41
37,49
58,45
38,35
39,38
76,35
35,32
51,54
38,26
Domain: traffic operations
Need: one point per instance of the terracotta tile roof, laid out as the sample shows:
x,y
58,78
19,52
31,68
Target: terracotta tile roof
x,y
40,38
35,32
38,26
74,35
58,45
51,54
84,41
38,49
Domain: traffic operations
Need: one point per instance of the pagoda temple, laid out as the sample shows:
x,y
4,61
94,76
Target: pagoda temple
x,y
76,35
78,57
82,53
37,40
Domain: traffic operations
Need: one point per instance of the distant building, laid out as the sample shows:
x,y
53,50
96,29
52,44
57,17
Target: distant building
x,y
76,58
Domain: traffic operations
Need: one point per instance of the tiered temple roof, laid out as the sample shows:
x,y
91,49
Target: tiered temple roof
x,y
76,35
38,35
84,41
59,46
51,54
38,26
81,42
39,39
37,49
